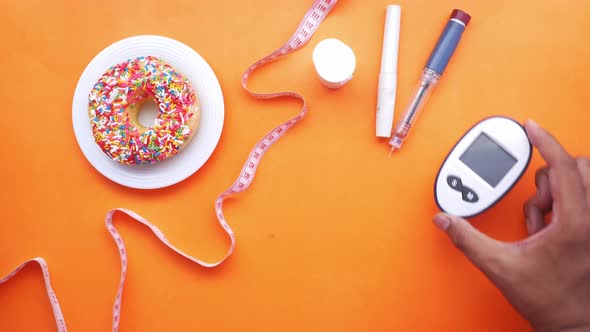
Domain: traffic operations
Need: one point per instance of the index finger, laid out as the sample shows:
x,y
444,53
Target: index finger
x,y
564,181
549,148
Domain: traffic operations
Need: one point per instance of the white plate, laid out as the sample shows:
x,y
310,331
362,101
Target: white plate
x,y
187,161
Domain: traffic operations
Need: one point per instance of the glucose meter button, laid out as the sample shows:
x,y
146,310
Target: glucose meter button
x,y
469,195
455,182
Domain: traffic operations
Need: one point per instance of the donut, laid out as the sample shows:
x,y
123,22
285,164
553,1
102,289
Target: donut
x,y
115,101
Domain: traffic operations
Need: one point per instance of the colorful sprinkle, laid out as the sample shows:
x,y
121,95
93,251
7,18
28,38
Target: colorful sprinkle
x,y
128,83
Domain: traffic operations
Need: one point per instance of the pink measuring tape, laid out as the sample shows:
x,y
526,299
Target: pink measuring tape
x,y
311,21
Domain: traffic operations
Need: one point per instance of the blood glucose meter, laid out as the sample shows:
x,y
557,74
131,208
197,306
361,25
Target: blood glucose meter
x,y
482,167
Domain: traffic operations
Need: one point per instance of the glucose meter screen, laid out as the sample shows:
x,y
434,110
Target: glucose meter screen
x,y
488,160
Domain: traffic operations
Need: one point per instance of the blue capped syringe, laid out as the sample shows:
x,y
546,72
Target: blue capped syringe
x,y
435,66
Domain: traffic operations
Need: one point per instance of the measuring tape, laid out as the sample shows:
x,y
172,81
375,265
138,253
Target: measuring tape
x,y
311,21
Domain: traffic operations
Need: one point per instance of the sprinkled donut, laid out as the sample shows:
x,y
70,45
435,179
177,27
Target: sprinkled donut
x,y
114,103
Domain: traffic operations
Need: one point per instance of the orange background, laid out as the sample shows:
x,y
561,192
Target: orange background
x,y
332,236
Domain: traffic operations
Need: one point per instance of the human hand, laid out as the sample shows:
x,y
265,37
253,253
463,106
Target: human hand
x,y
546,277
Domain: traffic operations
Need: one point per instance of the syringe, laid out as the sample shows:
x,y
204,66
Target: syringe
x,y
439,58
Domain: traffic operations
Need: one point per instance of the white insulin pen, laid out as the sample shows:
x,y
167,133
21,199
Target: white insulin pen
x,y
388,73
435,66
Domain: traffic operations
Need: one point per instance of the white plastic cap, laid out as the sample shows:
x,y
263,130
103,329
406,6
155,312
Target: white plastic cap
x,y
388,75
390,49
334,62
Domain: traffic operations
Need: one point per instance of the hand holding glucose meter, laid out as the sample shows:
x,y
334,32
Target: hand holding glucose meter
x,y
482,167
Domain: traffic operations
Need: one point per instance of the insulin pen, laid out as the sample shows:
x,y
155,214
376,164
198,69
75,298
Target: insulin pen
x,y
435,66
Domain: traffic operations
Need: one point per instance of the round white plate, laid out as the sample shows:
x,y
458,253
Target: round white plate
x,y
190,159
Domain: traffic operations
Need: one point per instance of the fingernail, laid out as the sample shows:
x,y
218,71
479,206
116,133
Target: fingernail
x,y
527,223
532,123
442,221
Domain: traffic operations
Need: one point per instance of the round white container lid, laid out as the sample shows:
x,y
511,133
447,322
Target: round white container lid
x,y
334,62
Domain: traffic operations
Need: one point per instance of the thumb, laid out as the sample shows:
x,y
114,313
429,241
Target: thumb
x,y
489,255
